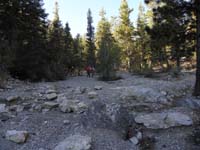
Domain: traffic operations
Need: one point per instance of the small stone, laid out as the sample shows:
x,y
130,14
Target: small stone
x,y
98,87
164,93
20,108
51,96
139,135
17,136
50,91
134,140
66,122
3,108
92,95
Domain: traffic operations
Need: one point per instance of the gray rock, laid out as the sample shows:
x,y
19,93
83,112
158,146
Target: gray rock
x,y
19,108
17,136
51,96
164,120
98,87
50,105
50,91
3,108
68,106
92,95
79,90
134,140
75,142
66,122
12,98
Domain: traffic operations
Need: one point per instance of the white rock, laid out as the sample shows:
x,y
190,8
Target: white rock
x,y
51,96
75,142
17,136
66,122
98,87
3,108
134,140
92,95
139,135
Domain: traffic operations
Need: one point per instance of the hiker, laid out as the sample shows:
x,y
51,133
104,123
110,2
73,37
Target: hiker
x,y
88,70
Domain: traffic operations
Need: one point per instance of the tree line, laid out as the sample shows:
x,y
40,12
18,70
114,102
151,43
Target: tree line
x,y
31,47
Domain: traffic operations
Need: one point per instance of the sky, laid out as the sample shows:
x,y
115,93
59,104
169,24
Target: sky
x,y
75,11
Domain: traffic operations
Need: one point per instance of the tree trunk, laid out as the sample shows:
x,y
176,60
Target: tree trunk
x,y
197,84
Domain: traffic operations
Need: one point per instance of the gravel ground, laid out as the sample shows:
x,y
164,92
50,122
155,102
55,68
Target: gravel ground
x,y
107,119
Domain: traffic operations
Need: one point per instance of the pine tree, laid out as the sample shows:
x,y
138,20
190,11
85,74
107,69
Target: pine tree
x,y
68,51
142,40
108,52
30,52
78,53
90,46
56,47
124,33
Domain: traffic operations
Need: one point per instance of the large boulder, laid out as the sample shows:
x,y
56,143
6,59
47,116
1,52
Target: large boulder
x,y
17,136
164,120
75,142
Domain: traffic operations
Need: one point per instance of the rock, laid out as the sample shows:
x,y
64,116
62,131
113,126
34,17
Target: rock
x,y
50,105
51,96
139,135
17,136
20,108
178,119
69,106
12,98
66,122
50,91
134,140
164,120
98,87
92,95
75,142
164,93
3,108
4,117
79,90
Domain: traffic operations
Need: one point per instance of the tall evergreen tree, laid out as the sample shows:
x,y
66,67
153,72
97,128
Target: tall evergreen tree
x,y
30,50
78,53
68,49
56,47
142,40
124,33
90,46
108,52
